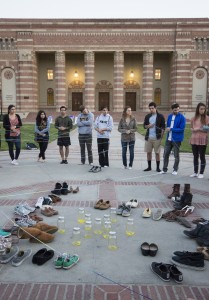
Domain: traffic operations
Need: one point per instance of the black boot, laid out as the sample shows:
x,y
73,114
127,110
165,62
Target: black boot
x,y
187,188
57,189
186,199
64,189
193,234
176,191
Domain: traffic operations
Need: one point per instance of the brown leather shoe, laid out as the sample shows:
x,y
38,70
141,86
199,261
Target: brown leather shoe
x,y
55,212
46,228
105,205
98,204
47,212
55,198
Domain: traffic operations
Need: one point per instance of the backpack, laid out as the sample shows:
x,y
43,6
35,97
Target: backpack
x,y
31,146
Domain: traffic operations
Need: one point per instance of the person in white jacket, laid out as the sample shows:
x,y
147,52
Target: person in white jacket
x,y
103,126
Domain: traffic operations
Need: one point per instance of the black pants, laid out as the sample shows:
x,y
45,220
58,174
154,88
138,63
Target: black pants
x,y
199,151
103,147
14,141
42,147
85,141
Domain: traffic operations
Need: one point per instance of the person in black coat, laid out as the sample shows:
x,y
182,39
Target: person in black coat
x,y
12,123
42,127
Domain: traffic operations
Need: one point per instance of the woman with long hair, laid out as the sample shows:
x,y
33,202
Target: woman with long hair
x,y
199,139
127,127
42,127
12,123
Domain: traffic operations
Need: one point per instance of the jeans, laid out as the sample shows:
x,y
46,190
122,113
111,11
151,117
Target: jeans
x,y
199,151
103,147
42,146
85,141
131,152
14,141
169,145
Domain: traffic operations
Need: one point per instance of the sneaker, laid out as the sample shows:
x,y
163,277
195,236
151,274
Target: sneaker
x,y
70,261
161,270
14,162
21,222
58,263
147,213
28,207
189,262
4,233
194,175
163,172
157,215
174,172
21,210
62,162
196,255
90,164
65,161
175,273
200,176
130,168
19,258
9,254
126,211
105,166
120,209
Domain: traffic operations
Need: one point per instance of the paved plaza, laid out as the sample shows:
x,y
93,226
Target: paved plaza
x,y
102,274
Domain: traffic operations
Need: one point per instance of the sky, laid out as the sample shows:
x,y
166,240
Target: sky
x,y
68,9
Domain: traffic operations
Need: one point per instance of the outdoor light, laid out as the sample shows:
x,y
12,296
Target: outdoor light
x,y
132,74
50,74
76,74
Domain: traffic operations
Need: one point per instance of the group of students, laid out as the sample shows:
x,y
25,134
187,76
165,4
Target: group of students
x,y
154,123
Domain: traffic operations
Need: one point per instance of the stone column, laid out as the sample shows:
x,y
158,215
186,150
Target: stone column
x,y
60,81
147,81
118,93
89,99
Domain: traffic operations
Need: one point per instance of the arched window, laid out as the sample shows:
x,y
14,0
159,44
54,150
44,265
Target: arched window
x,y
50,97
157,96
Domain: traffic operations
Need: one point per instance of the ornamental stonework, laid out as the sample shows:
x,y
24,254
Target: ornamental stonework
x,y
119,57
89,57
60,56
200,74
8,74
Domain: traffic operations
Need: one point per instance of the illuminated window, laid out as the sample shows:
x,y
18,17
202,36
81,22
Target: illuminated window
x,y
157,96
157,74
50,74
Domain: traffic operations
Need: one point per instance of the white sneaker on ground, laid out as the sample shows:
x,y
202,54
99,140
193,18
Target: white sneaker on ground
x,y
105,166
163,172
194,175
130,168
14,162
200,176
174,173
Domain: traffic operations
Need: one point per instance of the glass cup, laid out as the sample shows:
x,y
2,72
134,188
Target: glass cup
x,y
106,229
112,241
81,215
76,238
113,215
88,230
130,229
98,226
61,224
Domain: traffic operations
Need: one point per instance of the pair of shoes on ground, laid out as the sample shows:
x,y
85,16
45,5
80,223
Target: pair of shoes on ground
x,y
66,261
40,233
101,204
133,203
150,169
204,251
16,256
191,260
23,209
124,210
4,233
173,173
149,249
199,176
95,169
167,271
55,198
25,221
64,162
14,162
62,189
42,256
43,201
48,211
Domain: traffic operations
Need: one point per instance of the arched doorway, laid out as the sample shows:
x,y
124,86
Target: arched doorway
x,y
132,94
76,91
104,91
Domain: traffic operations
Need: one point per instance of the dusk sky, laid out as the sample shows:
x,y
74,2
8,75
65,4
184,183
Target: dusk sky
x,y
104,9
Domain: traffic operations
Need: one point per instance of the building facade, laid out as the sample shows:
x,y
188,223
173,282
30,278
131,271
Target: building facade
x,y
46,63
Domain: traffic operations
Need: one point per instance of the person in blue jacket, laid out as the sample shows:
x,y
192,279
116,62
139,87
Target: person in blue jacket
x,y
176,123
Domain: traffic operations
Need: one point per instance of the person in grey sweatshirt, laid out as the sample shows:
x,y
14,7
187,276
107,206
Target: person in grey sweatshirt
x,y
85,122
103,126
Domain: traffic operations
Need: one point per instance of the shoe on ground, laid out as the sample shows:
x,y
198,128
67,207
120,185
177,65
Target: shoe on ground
x,y
189,262
92,168
36,256
65,161
183,221
195,255
58,262
200,176
126,211
76,190
42,259
62,162
175,273
97,205
130,168
97,169
57,189
20,257
147,213
194,175
156,216
158,170
21,210
9,254
161,270
105,205
120,209
205,252
70,261
174,173
163,172
153,249
64,189
4,233
90,164
46,228
147,169
145,249
14,162
133,203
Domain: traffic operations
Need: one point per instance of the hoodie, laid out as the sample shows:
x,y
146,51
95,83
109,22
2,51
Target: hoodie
x,y
104,122
85,123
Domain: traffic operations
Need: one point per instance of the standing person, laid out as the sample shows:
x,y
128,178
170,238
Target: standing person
x,y
42,127
64,124
85,122
103,126
154,122
127,126
176,123
12,123
199,139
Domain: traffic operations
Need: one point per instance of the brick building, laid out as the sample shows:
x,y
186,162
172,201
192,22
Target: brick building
x,y
46,63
